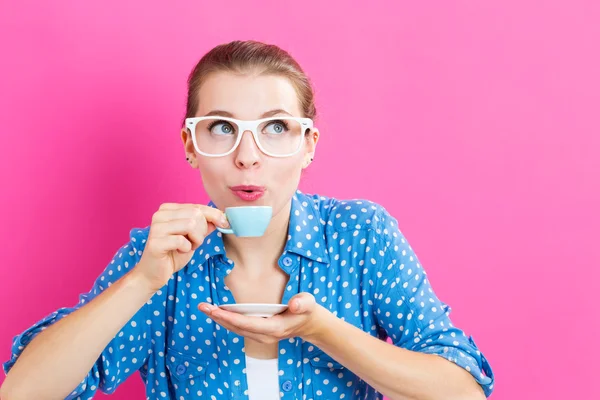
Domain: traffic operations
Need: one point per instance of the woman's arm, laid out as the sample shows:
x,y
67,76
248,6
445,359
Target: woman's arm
x,y
398,373
430,357
59,357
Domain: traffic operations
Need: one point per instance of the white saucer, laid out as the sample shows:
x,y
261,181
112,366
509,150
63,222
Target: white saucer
x,y
255,309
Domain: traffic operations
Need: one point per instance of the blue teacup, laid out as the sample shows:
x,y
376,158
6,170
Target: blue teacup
x,y
247,221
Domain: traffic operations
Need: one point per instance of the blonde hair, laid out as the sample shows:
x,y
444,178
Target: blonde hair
x,y
243,56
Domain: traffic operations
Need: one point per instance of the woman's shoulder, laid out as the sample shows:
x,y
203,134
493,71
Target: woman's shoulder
x,y
340,215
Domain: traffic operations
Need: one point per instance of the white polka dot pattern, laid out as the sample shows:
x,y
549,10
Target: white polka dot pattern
x,y
349,254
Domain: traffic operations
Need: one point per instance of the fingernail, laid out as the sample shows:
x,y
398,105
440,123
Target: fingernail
x,y
224,221
205,308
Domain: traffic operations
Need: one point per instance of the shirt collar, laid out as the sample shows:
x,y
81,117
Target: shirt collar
x,y
305,220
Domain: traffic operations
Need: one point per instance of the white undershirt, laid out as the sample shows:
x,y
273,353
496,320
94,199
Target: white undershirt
x,y
263,379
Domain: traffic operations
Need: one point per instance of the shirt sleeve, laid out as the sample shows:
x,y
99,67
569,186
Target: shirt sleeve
x,y
126,352
411,314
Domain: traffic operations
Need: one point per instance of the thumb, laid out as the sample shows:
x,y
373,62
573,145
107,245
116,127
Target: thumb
x,y
302,303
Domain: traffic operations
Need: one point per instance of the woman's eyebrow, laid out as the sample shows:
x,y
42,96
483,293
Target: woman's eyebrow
x,y
275,112
219,113
267,114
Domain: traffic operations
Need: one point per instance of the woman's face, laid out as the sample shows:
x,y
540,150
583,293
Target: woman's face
x,y
250,97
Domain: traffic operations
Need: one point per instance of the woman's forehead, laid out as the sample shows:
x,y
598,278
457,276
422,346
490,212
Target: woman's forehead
x,y
247,96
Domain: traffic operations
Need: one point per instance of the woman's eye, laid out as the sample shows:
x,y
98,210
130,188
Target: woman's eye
x,y
276,128
222,128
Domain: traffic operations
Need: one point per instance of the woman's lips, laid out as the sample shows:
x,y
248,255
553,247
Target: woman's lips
x,y
248,192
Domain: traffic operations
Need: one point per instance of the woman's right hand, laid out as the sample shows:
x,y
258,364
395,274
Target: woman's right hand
x,y
177,230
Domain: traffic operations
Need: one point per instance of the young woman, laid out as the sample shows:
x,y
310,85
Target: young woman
x,y
346,272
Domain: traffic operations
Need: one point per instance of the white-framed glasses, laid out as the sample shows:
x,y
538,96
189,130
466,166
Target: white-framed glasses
x,y
216,136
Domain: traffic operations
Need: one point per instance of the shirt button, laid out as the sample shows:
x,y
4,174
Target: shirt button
x,y
287,261
287,386
180,369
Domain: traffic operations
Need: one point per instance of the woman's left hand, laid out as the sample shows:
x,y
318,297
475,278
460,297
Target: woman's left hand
x,y
303,318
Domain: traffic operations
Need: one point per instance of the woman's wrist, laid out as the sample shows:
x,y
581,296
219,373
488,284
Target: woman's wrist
x,y
319,325
140,282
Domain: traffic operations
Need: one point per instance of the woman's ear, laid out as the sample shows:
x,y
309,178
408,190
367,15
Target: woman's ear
x,y
188,147
311,146
313,139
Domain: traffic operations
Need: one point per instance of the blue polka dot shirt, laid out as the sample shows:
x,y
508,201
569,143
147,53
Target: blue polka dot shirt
x,y
349,254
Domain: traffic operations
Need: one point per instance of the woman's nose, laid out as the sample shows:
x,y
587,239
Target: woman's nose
x,y
248,154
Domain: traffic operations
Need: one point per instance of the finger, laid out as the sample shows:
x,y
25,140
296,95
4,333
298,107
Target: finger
x,y
176,227
250,335
172,243
263,326
175,206
214,216
194,229
238,321
302,303
173,214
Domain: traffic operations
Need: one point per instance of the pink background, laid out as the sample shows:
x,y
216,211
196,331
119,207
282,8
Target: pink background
x,y
476,125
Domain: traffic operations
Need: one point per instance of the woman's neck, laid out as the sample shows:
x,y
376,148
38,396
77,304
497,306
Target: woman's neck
x,y
255,253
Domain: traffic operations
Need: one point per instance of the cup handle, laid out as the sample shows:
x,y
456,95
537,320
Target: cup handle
x,y
223,230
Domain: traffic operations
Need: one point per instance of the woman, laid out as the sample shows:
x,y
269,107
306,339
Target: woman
x,y
344,269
